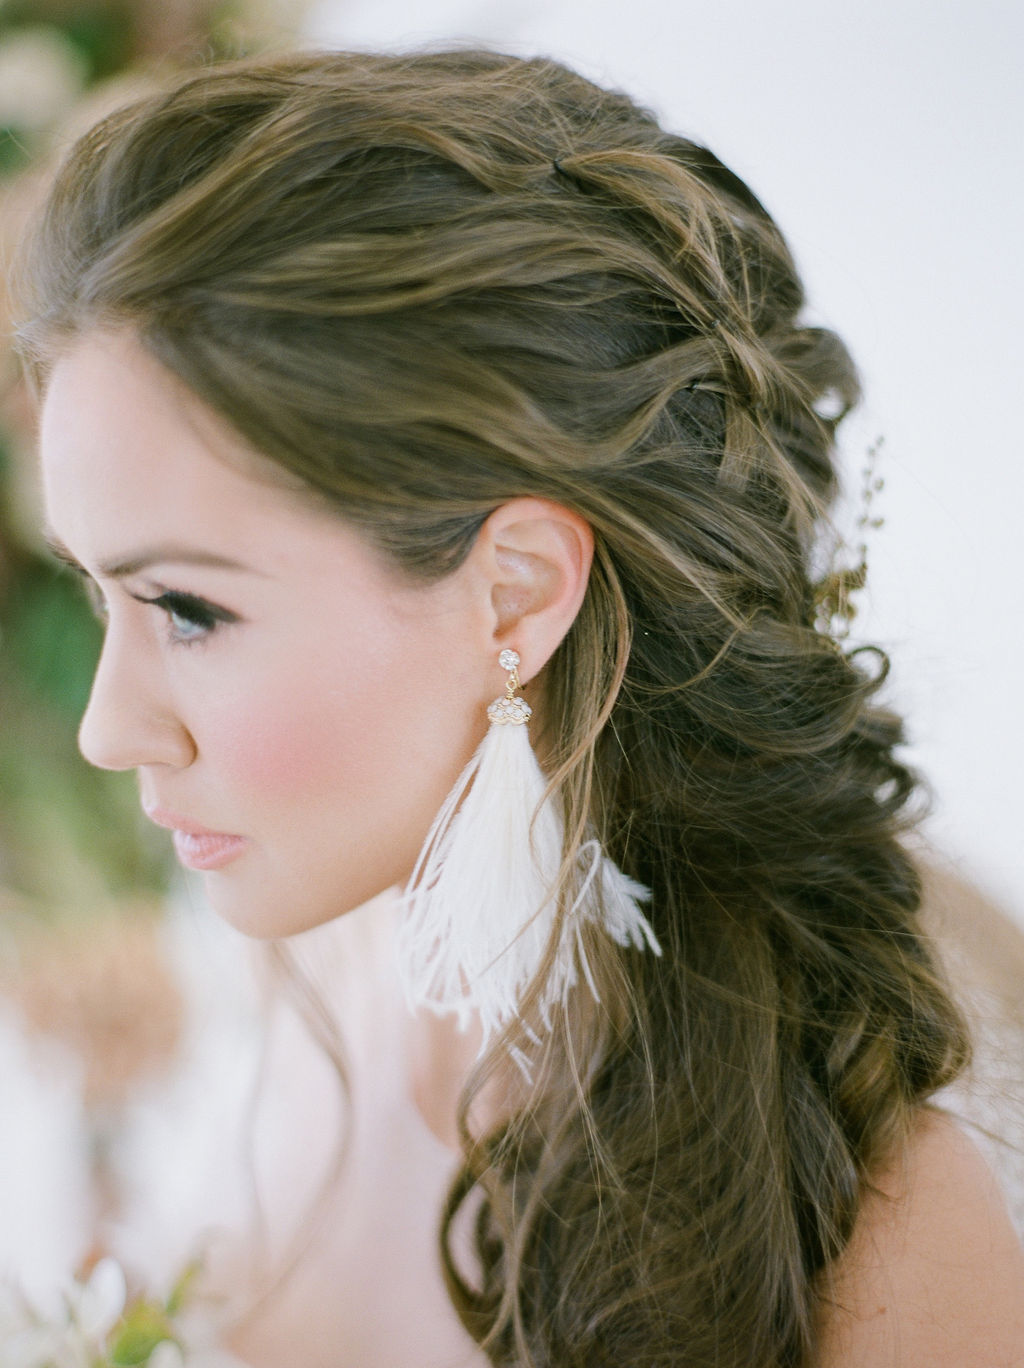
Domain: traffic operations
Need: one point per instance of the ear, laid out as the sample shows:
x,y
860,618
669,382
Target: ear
x,y
532,558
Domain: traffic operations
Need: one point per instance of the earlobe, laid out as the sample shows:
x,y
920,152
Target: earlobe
x,y
537,556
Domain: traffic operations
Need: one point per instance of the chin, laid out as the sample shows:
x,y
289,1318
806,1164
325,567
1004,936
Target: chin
x,y
262,916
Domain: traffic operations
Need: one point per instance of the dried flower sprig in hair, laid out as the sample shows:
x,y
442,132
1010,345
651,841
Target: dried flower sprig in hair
x,y
833,593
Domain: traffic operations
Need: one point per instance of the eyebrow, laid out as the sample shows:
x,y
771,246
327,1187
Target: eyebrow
x,y
164,554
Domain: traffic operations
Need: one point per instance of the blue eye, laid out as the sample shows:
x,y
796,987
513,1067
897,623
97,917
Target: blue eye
x,y
190,620
189,624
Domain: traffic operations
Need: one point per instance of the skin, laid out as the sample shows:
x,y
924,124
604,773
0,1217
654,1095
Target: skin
x,y
327,716
327,719
934,1274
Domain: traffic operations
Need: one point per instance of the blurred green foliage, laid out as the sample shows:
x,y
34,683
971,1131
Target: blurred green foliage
x,y
72,838
104,33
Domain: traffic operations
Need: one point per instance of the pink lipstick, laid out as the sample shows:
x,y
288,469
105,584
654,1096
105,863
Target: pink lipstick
x,y
206,852
197,847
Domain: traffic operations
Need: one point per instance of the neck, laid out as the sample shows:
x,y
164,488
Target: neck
x,y
440,1058
437,1057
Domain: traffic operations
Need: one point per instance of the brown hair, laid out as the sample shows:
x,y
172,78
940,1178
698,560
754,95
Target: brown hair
x,y
428,284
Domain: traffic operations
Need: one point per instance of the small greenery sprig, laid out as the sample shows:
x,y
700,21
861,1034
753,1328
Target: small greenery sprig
x,y
101,1327
833,594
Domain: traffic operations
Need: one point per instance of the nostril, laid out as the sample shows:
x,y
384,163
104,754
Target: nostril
x,y
124,727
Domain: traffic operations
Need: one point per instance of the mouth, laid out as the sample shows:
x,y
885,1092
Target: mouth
x,y
197,847
207,852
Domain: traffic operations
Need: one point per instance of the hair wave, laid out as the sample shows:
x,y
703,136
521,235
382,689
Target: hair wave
x,y
426,285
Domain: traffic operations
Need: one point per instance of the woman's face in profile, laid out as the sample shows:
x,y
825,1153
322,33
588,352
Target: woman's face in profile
x,y
267,674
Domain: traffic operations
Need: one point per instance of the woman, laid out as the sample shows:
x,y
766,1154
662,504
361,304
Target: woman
x,y
361,373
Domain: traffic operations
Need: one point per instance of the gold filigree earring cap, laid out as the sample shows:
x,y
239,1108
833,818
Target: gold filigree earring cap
x,y
510,709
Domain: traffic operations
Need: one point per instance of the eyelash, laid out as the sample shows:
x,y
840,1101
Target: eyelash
x,y
191,610
175,605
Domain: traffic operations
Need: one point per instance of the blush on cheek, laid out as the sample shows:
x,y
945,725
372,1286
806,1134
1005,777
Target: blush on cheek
x,y
273,756
336,761
309,749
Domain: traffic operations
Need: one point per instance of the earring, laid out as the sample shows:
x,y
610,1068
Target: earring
x,y
481,904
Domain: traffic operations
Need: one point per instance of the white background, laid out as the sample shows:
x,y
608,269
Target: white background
x,y
886,138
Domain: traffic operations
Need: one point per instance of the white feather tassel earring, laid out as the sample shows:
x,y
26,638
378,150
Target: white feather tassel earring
x,y
481,904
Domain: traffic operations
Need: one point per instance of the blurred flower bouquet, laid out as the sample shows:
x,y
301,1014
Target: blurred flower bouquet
x,y
101,1327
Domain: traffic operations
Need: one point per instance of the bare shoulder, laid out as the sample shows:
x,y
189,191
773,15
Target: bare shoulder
x,y
934,1274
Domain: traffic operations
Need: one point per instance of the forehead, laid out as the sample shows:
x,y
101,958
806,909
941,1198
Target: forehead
x,y
130,456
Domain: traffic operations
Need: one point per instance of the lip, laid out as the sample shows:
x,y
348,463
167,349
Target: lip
x,y
175,822
197,847
207,852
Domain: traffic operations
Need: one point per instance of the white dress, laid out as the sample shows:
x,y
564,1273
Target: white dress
x,y
369,1287
233,1147
368,1290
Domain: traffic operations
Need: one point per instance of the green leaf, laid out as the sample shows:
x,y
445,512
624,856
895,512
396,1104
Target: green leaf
x,y
182,1289
143,1327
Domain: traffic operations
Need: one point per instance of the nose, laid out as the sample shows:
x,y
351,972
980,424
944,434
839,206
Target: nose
x,y
130,720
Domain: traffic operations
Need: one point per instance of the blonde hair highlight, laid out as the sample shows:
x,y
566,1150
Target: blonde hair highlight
x,y
425,285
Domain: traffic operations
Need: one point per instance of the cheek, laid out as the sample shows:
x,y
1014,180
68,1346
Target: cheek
x,y
272,750
325,743
267,751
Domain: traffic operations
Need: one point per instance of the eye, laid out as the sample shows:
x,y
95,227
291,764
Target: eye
x,y
190,620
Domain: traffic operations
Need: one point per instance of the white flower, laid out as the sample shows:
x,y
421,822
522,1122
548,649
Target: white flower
x,y
79,1335
26,1347
166,1355
45,1346
101,1301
